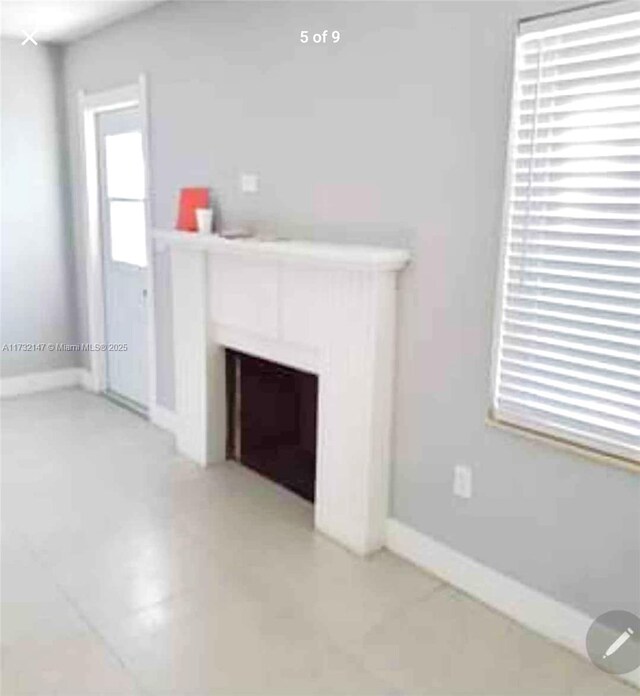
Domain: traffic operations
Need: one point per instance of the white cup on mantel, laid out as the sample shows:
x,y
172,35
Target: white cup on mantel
x,y
204,218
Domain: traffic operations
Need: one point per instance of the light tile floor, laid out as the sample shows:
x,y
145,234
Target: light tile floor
x,y
127,570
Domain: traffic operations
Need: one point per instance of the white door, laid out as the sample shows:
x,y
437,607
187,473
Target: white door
x,y
124,254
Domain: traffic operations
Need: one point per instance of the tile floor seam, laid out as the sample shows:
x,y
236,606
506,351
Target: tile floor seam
x,y
406,606
349,649
94,630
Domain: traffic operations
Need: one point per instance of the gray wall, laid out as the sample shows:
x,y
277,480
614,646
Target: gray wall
x,y
395,135
37,266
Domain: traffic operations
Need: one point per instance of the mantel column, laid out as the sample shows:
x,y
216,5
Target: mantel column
x,y
199,363
355,409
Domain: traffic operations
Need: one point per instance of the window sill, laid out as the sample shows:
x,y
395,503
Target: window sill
x,y
592,454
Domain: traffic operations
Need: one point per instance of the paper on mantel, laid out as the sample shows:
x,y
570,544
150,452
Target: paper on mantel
x,y
236,233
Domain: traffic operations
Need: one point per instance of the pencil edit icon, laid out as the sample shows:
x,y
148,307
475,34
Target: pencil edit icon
x,y
613,642
618,643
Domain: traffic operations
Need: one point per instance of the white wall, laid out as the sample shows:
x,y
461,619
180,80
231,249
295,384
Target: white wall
x,y
37,264
395,135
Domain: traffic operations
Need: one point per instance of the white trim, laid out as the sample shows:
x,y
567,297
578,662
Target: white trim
x,y
163,418
496,339
34,382
151,314
89,106
349,257
91,233
554,620
564,445
89,382
584,14
293,355
112,99
579,440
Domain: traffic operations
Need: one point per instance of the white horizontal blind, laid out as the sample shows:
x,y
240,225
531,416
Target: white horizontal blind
x,y
568,350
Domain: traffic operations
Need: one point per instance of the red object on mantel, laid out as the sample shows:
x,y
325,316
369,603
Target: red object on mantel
x,y
190,199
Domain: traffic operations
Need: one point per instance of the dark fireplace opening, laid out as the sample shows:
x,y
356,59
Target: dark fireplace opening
x,y
271,416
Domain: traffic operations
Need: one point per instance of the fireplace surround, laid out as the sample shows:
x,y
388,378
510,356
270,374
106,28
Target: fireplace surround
x,y
329,310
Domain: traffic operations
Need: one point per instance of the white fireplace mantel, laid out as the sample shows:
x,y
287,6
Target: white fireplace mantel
x,y
324,308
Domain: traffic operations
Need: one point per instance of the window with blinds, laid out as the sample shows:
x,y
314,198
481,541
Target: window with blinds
x,y
567,354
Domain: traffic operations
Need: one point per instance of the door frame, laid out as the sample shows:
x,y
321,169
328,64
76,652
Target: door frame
x,y
90,105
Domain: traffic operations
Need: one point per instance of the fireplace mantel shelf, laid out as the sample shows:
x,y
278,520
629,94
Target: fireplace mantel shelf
x,y
354,257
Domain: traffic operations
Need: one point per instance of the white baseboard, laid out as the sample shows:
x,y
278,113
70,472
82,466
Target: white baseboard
x,y
33,382
554,620
163,418
88,381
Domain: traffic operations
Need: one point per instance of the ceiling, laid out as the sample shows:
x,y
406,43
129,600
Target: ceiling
x,y
63,21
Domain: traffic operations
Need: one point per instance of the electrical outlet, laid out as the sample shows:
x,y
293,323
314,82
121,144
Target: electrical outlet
x,y
249,183
462,479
